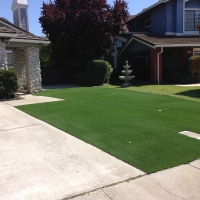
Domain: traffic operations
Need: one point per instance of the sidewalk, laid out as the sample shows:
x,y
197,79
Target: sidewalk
x,y
38,161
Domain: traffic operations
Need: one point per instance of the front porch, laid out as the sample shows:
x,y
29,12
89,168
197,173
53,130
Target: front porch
x,y
25,56
26,64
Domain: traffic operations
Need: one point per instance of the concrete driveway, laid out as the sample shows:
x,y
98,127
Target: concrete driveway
x,y
40,162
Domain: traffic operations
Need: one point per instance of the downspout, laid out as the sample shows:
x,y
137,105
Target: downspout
x,y
158,65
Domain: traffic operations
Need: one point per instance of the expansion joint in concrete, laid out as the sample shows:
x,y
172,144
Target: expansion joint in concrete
x,y
168,191
194,167
101,188
20,127
106,194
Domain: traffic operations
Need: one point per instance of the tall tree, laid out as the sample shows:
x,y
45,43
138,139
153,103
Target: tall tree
x,y
81,30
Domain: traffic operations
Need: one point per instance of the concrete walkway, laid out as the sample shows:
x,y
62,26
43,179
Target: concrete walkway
x,y
40,162
190,85
31,99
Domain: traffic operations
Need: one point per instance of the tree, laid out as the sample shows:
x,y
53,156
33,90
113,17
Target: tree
x,y
81,30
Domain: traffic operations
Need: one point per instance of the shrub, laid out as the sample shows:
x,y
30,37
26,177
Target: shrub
x,y
97,72
193,65
8,83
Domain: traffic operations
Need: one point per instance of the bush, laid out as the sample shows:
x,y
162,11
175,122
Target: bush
x,y
97,72
8,83
193,65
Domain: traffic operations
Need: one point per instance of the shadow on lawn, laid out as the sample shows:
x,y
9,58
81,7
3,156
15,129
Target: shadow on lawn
x,y
135,83
195,93
58,86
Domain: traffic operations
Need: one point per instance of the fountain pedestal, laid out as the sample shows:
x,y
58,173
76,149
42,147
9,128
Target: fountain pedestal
x,y
126,78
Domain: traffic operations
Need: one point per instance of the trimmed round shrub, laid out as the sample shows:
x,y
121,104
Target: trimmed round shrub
x,y
193,65
193,68
8,83
97,72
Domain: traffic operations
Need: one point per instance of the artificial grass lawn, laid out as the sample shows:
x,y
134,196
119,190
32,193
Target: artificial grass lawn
x,y
126,124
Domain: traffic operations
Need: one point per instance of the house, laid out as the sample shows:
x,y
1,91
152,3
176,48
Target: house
x,y
160,38
19,49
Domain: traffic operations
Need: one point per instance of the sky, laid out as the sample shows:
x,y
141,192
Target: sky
x,y
34,10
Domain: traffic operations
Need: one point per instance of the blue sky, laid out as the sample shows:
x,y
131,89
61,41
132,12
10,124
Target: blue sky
x,y
135,6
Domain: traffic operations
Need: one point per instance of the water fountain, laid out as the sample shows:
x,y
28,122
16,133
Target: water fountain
x,y
126,78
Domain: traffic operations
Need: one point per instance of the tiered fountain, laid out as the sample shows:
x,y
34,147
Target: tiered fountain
x,y
126,78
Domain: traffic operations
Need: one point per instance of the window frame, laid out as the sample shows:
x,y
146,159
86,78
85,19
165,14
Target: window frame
x,y
147,26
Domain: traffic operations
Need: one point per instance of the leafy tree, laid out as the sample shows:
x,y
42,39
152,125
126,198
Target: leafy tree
x,y
45,52
81,30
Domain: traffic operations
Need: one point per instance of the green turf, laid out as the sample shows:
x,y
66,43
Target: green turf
x,y
126,124
188,93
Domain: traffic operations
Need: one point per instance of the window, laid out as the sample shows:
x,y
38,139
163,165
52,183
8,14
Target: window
x,y
147,23
192,18
197,51
9,59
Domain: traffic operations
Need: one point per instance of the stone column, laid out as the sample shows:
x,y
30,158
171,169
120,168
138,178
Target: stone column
x,y
3,56
33,72
19,67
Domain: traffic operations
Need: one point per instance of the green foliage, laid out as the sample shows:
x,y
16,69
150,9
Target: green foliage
x,y
8,83
97,72
47,58
68,24
193,65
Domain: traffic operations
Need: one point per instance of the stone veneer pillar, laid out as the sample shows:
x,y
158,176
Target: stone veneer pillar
x,y
27,65
19,66
3,56
33,72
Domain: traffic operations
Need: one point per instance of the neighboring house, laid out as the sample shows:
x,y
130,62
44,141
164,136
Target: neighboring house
x,y
19,49
161,37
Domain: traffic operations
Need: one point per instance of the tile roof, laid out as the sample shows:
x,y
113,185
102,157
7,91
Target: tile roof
x,y
154,41
160,40
22,34
7,30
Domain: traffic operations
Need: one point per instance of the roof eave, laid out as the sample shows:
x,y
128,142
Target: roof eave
x,y
8,35
133,38
177,45
30,41
149,8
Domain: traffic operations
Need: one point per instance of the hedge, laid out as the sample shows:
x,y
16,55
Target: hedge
x,y
97,72
8,83
193,65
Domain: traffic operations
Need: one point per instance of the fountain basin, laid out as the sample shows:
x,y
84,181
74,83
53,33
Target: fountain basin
x,y
124,78
127,72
